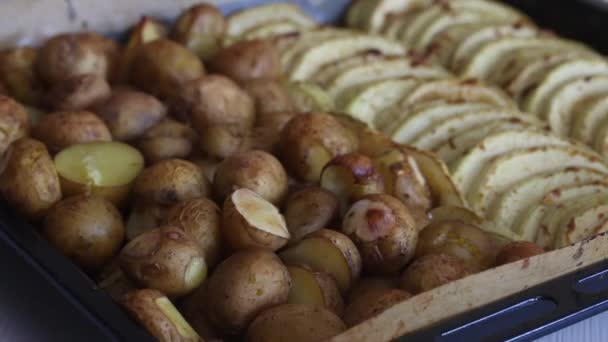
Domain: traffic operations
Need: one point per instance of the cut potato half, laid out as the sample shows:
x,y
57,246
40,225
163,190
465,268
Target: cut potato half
x,y
509,169
560,75
467,169
528,225
310,61
248,220
560,109
383,69
244,20
106,169
314,288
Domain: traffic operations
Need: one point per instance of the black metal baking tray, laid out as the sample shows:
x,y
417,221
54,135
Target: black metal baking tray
x,y
44,297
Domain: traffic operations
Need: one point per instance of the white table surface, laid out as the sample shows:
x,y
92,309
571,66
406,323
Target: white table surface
x,y
594,329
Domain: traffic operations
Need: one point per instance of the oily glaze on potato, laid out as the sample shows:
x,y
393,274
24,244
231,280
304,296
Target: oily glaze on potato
x,y
309,141
244,285
431,271
295,323
73,54
59,130
201,219
162,66
170,181
18,76
464,241
258,171
165,259
129,113
269,95
29,181
384,231
248,220
371,304
78,92
247,60
14,122
106,169
155,312
87,229
167,139
517,250
201,29
309,210
314,288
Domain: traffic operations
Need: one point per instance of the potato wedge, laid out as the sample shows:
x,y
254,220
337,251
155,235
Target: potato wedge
x,y
104,169
314,288
248,220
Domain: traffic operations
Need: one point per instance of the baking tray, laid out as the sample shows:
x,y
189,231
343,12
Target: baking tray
x,y
52,300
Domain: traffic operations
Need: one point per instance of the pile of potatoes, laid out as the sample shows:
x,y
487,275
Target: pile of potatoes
x,y
210,198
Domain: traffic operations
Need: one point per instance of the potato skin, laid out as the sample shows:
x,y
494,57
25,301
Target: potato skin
x,y
143,306
296,323
29,182
170,181
59,130
247,60
266,133
14,122
330,293
313,130
371,304
220,141
87,229
269,95
346,246
242,286
517,250
431,271
165,259
73,54
129,113
78,92
366,285
194,309
18,76
162,66
308,210
462,240
383,230
201,218
167,139
201,29
113,280
258,171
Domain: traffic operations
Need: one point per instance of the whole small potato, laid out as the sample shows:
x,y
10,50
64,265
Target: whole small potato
x,y
14,122
383,230
248,220
247,60
372,304
87,229
258,171
215,99
201,219
314,288
462,240
59,130
129,113
167,139
431,271
165,259
295,323
162,66
370,284
29,181
73,54
156,313
266,133
517,250
269,95
309,141
221,141
18,76
201,29
309,210
170,181
78,92
244,285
